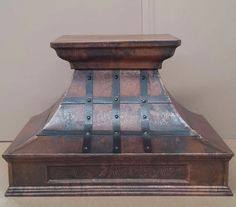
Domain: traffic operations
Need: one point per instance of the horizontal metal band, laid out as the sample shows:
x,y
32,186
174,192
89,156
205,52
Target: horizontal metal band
x,y
111,132
123,100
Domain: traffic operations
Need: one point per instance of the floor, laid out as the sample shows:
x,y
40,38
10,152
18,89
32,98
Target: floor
x,y
164,201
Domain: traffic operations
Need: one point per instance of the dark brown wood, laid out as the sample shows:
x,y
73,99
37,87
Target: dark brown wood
x,y
163,149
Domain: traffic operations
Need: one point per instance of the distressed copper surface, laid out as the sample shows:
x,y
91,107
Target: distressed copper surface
x,y
163,117
116,130
132,78
102,84
109,52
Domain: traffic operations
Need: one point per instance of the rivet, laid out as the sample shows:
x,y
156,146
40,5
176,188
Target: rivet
x,y
145,133
86,148
87,134
147,147
89,99
116,133
116,99
89,77
144,116
116,116
116,147
88,117
116,76
143,100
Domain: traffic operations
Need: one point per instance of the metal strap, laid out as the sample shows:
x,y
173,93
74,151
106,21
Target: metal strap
x,y
185,132
145,111
123,100
88,112
116,110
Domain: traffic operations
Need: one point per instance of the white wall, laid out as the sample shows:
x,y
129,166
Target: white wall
x,y
201,75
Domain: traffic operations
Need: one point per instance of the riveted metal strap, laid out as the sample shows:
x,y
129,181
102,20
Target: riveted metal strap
x,y
109,100
185,132
88,112
116,110
145,111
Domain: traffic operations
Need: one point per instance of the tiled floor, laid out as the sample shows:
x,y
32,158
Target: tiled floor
x,y
163,201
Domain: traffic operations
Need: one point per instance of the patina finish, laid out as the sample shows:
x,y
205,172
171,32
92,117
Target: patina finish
x,y
116,130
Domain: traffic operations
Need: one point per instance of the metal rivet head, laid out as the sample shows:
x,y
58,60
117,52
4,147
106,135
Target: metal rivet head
x,y
87,134
143,100
116,99
116,133
88,117
89,77
144,116
116,116
143,77
89,99
85,148
147,147
116,147
116,76
145,133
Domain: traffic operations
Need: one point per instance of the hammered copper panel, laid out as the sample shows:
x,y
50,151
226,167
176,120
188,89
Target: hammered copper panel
x,y
67,117
102,144
102,83
154,86
102,117
130,117
77,87
69,144
164,119
131,144
129,83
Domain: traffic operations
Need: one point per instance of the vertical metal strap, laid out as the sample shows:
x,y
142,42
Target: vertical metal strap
x,y
88,112
144,111
116,110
